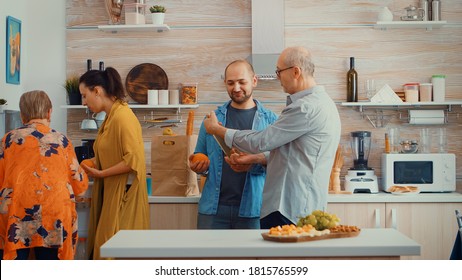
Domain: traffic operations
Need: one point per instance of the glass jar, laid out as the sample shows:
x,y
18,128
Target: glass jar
x,y
188,93
425,94
411,92
439,88
135,13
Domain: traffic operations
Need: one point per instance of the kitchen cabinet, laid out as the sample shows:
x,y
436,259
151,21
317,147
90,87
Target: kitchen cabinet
x,y
433,225
173,215
363,215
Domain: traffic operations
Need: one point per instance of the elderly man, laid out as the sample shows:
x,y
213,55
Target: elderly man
x,y
303,142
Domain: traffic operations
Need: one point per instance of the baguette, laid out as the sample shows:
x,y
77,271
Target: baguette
x,y
190,123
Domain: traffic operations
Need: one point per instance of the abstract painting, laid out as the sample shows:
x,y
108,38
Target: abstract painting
x,y
13,50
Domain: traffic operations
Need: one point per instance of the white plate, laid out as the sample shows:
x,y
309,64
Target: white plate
x,y
405,193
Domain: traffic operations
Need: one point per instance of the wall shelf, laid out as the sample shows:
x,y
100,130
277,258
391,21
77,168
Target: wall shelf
x,y
376,111
141,106
429,25
365,104
133,28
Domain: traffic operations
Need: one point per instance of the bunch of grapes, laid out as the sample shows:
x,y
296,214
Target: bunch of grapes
x,y
320,220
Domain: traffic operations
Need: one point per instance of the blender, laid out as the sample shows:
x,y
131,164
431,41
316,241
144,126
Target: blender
x,y
361,178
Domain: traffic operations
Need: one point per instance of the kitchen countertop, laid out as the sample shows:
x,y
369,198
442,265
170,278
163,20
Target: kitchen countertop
x,y
190,244
380,197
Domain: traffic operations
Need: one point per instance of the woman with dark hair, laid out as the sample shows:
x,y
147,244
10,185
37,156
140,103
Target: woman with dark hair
x,y
119,193
39,179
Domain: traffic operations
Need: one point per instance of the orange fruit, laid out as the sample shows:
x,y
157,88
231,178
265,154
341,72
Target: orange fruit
x,y
199,157
88,162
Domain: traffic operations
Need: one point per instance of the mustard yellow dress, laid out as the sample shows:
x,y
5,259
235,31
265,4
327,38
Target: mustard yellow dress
x,y
113,207
39,178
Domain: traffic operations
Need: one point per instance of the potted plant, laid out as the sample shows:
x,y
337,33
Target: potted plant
x,y
73,92
3,103
158,14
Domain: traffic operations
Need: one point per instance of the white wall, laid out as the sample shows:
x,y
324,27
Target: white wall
x,y
43,53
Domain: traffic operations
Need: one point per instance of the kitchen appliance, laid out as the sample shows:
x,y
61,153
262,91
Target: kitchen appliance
x,y
82,152
428,172
89,143
361,178
9,120
267,36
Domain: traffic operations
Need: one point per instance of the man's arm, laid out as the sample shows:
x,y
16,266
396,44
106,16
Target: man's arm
x,y
212,126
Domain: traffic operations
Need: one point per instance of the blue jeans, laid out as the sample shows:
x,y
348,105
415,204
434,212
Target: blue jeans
x,y
227,217
41,253
273,220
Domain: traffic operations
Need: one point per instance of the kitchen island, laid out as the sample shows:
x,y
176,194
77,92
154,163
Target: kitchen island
x,y
249,244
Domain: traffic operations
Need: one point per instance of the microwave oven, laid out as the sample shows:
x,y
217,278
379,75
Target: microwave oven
x,y
429,172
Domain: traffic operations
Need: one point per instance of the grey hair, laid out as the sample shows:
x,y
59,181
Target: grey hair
x,y
34,105
301,57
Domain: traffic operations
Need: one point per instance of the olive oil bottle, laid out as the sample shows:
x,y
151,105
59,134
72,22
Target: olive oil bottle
x,y
352,82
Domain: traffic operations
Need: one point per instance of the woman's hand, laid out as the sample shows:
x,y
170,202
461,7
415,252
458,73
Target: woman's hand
x,y
92,172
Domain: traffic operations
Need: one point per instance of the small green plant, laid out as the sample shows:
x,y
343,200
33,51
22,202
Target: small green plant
x,y
72,85
3,101
157,9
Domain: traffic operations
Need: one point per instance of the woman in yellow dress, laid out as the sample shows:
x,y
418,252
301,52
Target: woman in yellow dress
x,y
119,193
39,179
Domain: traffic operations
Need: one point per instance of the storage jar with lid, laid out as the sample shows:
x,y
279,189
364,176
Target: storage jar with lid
x,y
425,94
135,13
188,93
439,87
411,92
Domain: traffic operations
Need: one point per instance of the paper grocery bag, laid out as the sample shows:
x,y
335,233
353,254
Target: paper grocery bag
x,y
170,172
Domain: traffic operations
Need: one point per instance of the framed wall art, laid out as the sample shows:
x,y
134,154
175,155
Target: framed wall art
x,y
13,50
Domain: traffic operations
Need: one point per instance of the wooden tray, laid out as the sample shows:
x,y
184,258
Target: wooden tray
x,y
143,77
267,237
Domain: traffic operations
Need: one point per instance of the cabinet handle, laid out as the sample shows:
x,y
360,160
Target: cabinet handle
x,y
377,218
393,218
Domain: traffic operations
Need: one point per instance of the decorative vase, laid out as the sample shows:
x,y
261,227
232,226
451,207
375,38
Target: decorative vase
x,y
385,15
158,18
114,10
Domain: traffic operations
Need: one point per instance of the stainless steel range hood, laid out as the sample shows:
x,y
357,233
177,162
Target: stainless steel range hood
x,y
267,36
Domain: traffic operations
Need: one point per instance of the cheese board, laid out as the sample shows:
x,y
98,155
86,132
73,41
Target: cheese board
x,y
305,238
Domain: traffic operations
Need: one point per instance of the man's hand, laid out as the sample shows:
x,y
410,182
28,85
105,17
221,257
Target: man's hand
x,y
213,127
242,162
236,167
198,166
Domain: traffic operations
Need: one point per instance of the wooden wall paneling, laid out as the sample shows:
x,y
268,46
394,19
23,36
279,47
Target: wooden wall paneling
x,y
179,13
357,12
203,41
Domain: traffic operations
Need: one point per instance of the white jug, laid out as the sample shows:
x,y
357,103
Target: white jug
x,y
385,15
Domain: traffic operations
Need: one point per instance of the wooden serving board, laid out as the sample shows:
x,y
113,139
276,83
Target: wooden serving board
x,y
143,77
267,237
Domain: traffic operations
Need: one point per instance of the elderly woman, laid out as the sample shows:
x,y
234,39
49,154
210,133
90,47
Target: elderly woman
x,y
39,179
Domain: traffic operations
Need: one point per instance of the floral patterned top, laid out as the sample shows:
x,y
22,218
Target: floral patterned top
x,y
39,178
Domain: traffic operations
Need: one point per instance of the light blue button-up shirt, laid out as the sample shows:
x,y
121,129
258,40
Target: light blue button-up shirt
x,y
303,143
252,193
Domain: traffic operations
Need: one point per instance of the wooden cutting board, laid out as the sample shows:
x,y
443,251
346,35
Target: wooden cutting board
x,y
143,77
267,237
